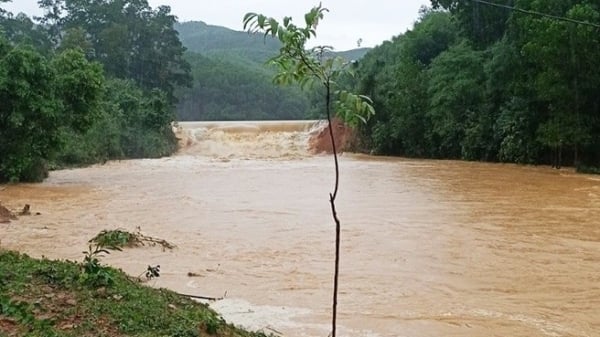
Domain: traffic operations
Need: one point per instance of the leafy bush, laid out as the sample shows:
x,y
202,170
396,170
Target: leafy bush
x,y
94,274
116,239
131,124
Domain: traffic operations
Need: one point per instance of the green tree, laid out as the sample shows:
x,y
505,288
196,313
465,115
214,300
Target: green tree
x,y
566,58
21,29
78,84
481,23
130,124
312,67
39,98
455,110
433,33
76,38
394,75
28,114
129,38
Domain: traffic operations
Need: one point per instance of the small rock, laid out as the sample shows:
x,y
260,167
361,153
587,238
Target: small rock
x,y
117,297
172,306
71,302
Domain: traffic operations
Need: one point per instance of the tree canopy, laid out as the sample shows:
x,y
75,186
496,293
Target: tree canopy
x,y
88,82
486,82
128,37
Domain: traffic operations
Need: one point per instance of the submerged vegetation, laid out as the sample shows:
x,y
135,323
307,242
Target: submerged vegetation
x,y
118,238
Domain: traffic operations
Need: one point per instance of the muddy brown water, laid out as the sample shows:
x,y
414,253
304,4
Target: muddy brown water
x,y
430,248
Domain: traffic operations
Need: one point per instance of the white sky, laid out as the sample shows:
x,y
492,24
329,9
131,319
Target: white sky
x,y
373,21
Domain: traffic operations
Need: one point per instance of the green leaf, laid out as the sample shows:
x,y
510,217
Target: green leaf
x,y
261,21
248,18
274,26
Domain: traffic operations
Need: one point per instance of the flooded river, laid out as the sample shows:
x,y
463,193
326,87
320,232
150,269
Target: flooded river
x,y
429,248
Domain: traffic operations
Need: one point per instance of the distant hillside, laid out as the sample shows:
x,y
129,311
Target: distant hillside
x,y
228,89
231,81
353,54
203,38
199,37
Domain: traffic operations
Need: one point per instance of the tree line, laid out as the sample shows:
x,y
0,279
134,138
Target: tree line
x,y
516,83
85,83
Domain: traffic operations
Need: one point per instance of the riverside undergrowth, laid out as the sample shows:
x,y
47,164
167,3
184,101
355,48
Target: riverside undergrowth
x,y
40,297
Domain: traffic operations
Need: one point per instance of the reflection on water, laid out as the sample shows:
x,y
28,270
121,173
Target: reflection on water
x,y
430,248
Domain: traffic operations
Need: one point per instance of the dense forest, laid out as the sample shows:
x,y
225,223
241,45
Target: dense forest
x,y
478,81
231,81
88,82
511,81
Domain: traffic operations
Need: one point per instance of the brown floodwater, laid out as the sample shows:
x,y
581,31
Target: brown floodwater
x,y
429,248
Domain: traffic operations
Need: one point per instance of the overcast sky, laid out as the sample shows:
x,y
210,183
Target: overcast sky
x,y
373,21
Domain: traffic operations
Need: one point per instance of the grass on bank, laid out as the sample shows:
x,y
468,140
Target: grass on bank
x,y
43,298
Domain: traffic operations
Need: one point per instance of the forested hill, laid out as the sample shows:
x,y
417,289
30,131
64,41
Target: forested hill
x,y
203,38
199,37
231,81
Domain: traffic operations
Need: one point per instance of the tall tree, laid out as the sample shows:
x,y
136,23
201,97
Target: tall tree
x,y
565,56
131,39
482,23
394,75
21,29
455,108
39,98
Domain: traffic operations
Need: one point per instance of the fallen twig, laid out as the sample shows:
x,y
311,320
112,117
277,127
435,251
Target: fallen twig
x,y
212,299
164,243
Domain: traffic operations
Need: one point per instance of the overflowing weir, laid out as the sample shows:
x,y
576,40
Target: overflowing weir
x,y
248,140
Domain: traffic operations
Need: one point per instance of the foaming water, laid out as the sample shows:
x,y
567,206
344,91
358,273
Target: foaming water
x,y
279,140
429,248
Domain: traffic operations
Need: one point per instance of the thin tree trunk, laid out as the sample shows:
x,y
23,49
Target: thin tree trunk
x,y
332,197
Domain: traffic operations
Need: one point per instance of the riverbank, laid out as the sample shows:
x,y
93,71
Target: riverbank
x,y
55,298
